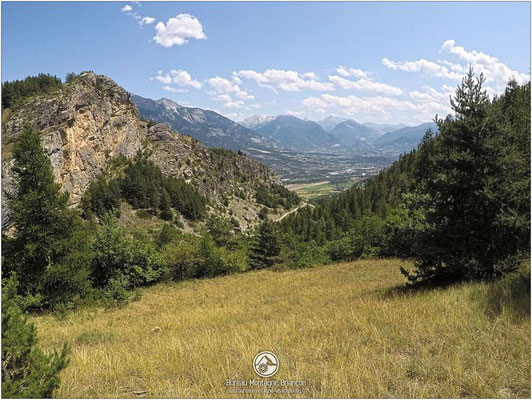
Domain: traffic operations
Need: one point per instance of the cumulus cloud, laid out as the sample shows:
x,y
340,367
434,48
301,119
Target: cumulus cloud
x,y
494,70
426,67
228,91
146,21
431,94
378,108
365,85
355,73
126,8
497,73
225,86
178,30
179,78
290,81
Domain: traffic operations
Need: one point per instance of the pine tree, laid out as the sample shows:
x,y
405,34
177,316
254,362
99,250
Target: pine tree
x,y
49,248
166,211
27,372
465,177
267,248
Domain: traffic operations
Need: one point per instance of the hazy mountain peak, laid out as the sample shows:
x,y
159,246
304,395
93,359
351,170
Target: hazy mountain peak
x,y
256,121
330,122
170,104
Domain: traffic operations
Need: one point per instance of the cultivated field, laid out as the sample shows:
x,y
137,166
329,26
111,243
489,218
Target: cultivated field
x,y
309,191
341,328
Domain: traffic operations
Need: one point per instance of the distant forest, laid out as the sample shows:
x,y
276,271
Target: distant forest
x,y
15,91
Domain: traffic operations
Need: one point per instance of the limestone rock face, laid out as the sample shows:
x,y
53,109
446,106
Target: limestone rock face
x,y
91,119
81,126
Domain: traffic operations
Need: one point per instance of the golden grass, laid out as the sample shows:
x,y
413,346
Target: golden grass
x,y
337,327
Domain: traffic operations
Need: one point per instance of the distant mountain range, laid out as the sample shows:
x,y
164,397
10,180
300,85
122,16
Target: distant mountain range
x,y
404,139
383,128
209,127
267,134
299,135
330,122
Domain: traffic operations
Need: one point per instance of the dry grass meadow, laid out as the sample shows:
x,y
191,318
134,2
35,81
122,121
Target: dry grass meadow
x,y
339,327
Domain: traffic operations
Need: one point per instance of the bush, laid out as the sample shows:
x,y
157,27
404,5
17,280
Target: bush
x,y
131,262
115,292
168,234
182,258
27,372
303,254
193,257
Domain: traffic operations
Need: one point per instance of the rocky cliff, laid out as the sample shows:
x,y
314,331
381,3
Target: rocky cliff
x,y
88,121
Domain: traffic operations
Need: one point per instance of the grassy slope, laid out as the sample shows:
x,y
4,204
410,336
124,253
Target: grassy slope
x,y
339,327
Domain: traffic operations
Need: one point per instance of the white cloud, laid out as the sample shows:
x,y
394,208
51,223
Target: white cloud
x,y
291,81
174,90
426,67
376,108
494,70
179,78
146,21
431,94
178,30
355,73
221,86
365,85
497,73
126,8
228,92
234,104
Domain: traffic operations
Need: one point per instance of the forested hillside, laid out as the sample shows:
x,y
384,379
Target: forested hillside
x,y
459,204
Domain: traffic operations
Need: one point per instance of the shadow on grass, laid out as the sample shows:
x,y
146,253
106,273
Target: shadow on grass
x,y
406,290
510,293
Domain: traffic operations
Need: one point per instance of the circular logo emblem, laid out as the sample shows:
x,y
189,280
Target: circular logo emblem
x,y
266,364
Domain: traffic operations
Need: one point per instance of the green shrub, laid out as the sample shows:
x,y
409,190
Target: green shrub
x,y
303,254
168,234
116,256
115,292
183,258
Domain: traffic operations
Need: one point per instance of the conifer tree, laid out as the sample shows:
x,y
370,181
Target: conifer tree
x,y
166,211
460,179
267,248
27,372
48,251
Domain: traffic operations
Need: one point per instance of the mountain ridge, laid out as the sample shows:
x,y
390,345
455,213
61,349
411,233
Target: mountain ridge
x,y
207,126
87,122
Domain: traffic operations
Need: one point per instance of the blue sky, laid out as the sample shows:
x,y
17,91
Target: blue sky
x,y
381,62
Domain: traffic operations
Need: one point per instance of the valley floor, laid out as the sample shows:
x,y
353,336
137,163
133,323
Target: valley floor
x,y
341,328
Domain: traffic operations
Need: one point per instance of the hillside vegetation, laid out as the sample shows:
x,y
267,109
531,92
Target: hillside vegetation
x,y
346,329
458,207
459,204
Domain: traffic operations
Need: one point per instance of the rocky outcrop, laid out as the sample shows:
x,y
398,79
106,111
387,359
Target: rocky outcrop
x,y
91,119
